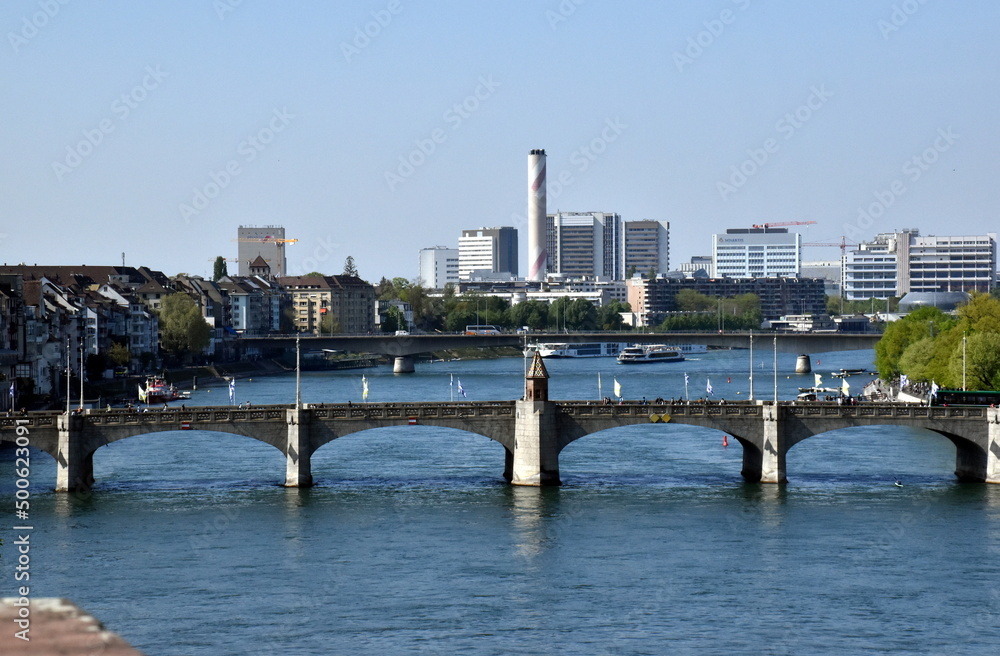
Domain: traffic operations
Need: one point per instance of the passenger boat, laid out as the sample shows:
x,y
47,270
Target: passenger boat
x,y
158,391
584,350
646,353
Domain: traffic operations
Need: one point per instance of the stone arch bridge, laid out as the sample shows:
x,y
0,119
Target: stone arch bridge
x,y
532,432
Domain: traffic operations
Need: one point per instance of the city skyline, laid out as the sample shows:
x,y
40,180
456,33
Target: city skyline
x,y
380,129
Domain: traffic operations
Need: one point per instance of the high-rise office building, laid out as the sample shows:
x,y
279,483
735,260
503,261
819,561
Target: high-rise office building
x,y
438,267
585,244
647,246
489,250
756,253
896,263
266,241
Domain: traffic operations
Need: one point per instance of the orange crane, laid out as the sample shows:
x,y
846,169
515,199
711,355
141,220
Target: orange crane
x,y
263,240
782,223
843,245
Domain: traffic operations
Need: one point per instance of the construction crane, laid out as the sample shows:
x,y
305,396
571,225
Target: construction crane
x,y
843,245
782,223
264,240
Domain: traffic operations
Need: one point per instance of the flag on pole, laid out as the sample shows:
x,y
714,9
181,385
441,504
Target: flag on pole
x,y
934,388
364,388
618,388
142,395
599,390
819,380
685,379
461,390
232,391
903,381
12,391
708,386
845,388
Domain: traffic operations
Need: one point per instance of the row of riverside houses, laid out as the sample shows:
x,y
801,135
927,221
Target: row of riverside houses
x,y
51,313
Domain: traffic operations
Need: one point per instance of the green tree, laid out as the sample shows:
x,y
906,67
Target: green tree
x,y
329,324
120,355
183,331
350,268
688,300
534,314
981,363
394,320
921,323
981,314
219,269
916,359
609,315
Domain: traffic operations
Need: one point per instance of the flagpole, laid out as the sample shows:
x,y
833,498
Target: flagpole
x,y
451,387
751,365
600,394
81,376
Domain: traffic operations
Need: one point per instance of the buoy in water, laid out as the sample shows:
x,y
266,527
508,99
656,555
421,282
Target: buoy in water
x,y
728,380
725,440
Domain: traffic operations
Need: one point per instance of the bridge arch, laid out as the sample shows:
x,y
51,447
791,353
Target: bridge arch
x,y
855,443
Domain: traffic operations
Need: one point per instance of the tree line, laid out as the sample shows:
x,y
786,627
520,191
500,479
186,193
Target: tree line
x,y
928,346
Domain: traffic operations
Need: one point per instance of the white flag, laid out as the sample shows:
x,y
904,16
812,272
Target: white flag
x,y
618,388
819,380
364,388
934,388
461,390
232,390
903,381
846,388
708,387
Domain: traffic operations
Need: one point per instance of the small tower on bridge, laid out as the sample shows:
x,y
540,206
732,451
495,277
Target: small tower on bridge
x,y
537,381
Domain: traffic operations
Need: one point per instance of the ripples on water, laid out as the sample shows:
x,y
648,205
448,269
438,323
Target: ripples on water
x,y
411,543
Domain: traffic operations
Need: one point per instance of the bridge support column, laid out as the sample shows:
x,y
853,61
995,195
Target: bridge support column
x,y
535,460
993,445
298,449
766,464
403,365
74,469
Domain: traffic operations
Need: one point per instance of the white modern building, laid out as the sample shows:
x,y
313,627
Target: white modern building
x,y
896,263
438,267
756,253
492,250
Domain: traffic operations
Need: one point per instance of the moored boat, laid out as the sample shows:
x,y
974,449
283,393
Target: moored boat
x,y
158,391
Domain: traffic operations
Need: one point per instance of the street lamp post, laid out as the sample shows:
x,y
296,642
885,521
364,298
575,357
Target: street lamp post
x,y
751,365
298,373
963,362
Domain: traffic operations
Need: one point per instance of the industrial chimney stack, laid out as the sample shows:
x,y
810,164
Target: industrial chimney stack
x,y
537,255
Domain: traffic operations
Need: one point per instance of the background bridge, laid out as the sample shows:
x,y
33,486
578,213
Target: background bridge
x,y
404,347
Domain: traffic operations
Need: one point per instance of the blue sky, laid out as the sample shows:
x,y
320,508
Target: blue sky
x,y
155,129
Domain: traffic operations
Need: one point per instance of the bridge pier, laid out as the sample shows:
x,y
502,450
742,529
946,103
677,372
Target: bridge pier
x,y
993,445
74,469
535,460
403,364
766,463
298,449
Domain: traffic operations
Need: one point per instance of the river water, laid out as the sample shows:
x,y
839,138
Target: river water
x,y
411,542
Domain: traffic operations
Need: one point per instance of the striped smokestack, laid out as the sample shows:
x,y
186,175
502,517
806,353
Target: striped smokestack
x,y
537,255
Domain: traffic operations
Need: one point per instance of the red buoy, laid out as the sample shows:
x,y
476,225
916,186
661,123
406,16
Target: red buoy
x,y
725,440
